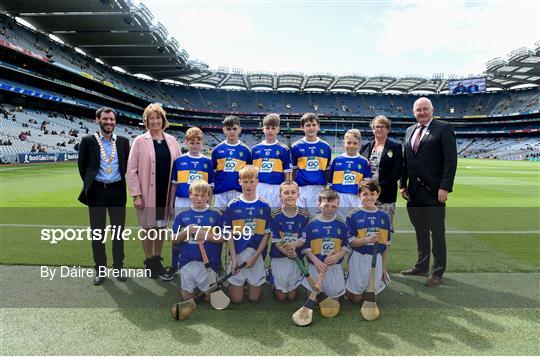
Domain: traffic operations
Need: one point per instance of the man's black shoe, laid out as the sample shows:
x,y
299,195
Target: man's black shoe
x,y
414,271
98,280
121,275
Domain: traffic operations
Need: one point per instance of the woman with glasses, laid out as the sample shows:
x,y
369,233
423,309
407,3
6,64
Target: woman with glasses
x,y
385,160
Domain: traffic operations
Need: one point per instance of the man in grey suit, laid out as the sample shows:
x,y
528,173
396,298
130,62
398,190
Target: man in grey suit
x,y
428,176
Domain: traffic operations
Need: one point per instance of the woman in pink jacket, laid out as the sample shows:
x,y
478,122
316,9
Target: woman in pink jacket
x,y
148,179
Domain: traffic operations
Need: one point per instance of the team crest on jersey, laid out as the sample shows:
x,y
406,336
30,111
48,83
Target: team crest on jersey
x,y
212,220
322,151
339,231
241,154
390,153
261,211
382,220
205,166
359,166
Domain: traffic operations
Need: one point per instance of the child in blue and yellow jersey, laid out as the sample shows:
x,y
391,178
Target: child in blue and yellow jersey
x,y
248,218
193,275
347,171
369,228
287,223
228,158
326,243
310,159
186,169
273,160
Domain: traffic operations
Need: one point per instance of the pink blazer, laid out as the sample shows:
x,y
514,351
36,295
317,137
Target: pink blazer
x,y
141,174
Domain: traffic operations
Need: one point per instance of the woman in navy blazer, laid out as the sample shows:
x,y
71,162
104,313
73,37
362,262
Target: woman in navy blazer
x,y
386,161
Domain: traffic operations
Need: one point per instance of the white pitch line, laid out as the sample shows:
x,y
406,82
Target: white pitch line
x,y
12,168
45,226
400,232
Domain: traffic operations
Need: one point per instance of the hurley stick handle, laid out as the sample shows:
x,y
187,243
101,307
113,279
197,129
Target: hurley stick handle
x,y
203,252
199,298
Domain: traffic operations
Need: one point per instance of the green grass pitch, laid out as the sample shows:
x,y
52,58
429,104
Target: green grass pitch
x,y
488,303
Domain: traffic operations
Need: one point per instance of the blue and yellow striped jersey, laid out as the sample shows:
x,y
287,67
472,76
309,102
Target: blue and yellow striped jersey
x,y
273,161
227,160
187,169
189,249
287,228
311,160
346,172
362,222
251,219
325,237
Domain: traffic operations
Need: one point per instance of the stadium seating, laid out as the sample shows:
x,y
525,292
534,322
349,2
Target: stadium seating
x,y
352,109
216,100
15,121
20,120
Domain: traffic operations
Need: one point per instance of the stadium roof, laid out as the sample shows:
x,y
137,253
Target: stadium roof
x,y
115,31
126,35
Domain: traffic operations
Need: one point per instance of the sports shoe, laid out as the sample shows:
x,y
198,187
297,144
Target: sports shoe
x,y
174,271
161,271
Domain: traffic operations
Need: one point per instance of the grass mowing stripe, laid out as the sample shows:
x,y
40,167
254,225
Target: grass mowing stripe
x,y
474,313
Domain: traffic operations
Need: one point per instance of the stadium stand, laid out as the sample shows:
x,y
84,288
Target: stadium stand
x,y
242,101
50,91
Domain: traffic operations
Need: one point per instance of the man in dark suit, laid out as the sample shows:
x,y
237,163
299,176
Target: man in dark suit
x,y
102,165
428,177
